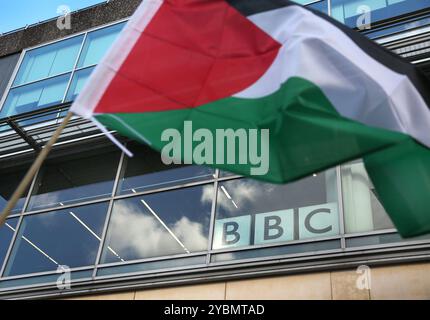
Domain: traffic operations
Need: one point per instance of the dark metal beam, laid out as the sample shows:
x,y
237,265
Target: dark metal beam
x,y
21,132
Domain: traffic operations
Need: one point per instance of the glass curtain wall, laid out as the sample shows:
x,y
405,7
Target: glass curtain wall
x,y
55,73
349,11
100,214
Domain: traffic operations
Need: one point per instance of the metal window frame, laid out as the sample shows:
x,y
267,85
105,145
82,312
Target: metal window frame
x,y
13,244
23,53
215,180
108,215
18,225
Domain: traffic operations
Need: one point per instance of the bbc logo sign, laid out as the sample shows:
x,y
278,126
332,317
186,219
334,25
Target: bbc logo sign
x,y
277,226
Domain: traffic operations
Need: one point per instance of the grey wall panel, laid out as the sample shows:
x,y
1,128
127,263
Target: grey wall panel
x,y
7,65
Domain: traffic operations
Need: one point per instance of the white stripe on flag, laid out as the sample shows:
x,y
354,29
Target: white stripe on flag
x,y
358,86
105,71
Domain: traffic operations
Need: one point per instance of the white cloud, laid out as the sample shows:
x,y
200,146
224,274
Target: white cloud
x,y
136,235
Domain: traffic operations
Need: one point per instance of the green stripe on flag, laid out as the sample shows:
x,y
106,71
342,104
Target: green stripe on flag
x,y
301,120
401,176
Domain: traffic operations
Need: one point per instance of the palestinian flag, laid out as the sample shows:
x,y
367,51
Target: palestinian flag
x,y
327,94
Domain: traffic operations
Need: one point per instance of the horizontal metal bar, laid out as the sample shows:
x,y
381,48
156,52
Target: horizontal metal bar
x,y
155,259
165,189
41,80
370,233
45,273
274,245
25,115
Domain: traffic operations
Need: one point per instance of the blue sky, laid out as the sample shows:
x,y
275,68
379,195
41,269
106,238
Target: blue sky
x,y
15,14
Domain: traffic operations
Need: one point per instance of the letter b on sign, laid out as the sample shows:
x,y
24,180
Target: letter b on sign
x,y
276,226
230,236
272,227
232,232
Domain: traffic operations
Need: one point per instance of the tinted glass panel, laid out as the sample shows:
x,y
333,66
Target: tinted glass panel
x,y
146,171
69,237
97,44
167,223
35,96
6,234
362,209
320,5
250,212
226,174
9,180
49,61
349,11
75,178
79,79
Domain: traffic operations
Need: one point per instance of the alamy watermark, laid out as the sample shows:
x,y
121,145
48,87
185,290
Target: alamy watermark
x,y
64,280
224,146
364,20
64,21
364,280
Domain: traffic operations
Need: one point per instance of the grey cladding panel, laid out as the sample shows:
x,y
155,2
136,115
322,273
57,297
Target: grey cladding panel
x,y
7,65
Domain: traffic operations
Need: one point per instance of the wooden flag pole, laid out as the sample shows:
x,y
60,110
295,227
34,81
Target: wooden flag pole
x,y
22,187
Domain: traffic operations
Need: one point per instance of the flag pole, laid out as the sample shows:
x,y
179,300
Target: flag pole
x,y
22,187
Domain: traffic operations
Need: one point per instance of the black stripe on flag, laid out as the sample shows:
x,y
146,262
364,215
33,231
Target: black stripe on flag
x,y
250,7
386,57
376,51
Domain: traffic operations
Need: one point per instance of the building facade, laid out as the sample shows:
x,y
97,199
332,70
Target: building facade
x,y
97,224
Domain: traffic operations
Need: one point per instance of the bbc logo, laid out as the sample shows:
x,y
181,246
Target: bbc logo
x,y
277,226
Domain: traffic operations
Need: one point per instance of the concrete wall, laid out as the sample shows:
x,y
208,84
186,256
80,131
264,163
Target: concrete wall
x,y
392,282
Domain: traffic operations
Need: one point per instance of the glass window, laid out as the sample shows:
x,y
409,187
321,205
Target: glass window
x,y
146,171
49,61
161,224
44,74
35,96
317,5
250,212
79,80
69,237
10,178
362,209
320,6
75,178
223,174
349,11
6,234
97,44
